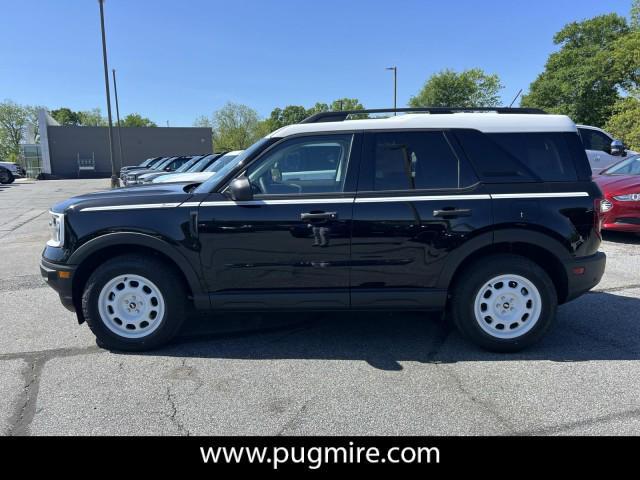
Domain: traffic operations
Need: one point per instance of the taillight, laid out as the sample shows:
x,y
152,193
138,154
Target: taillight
x,y
600,206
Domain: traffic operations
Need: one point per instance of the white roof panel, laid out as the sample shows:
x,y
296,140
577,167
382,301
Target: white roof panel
x,y
485,122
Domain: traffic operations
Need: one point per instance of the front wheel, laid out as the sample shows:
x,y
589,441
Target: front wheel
x,y
504,303
6,176
134,303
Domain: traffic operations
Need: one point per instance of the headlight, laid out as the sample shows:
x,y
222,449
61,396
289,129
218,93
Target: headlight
x,y
56,228
630,197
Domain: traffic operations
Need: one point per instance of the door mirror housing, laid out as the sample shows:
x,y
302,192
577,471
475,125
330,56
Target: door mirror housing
x,y
240,189
617,148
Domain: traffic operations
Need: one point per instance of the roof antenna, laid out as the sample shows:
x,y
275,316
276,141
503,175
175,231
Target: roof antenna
x,y
516,97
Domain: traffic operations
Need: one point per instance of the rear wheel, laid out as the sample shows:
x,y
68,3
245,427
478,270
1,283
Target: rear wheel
x,y
504,303
134,303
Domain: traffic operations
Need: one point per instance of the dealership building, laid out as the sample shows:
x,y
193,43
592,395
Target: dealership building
x,y
83,152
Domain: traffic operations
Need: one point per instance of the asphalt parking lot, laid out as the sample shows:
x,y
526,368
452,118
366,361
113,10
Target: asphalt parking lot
x,y
357,374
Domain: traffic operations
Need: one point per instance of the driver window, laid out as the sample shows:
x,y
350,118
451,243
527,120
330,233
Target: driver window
x,y
314,164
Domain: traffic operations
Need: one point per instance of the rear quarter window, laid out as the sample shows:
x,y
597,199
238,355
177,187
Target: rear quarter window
x,y
525,157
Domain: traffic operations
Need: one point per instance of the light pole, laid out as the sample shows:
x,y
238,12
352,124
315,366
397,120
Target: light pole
x,y
114,176
115,92
395,87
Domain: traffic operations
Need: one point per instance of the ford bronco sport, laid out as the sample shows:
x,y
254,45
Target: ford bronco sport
x,y
489,215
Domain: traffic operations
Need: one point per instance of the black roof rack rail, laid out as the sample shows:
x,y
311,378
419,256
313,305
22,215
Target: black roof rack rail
x,y
341,115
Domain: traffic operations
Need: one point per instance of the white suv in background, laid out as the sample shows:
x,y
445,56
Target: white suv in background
x,y
597,143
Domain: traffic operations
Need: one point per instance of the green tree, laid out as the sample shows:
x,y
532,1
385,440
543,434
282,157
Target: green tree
x,y
14,119
635,14
581,79
625,121
281,117
92,118
288,115
203,122
66,116
136,120
345,104
469,88
235,127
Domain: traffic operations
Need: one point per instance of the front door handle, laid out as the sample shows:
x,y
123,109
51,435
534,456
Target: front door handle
x,y
452,212
311,216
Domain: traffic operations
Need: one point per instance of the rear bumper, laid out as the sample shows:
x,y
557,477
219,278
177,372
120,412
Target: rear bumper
x,y
60,282
579,283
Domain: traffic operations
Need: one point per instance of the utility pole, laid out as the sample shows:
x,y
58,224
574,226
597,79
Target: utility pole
x,y
115,92
395,87
114,177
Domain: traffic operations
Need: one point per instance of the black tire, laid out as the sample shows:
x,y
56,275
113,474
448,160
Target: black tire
x,y
476,276
6,177
162,275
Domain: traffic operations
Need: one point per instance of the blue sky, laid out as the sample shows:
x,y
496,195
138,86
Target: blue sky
x,y
177,60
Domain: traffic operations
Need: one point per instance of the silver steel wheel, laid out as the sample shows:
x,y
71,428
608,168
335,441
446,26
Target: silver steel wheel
x,y
131,306
507,306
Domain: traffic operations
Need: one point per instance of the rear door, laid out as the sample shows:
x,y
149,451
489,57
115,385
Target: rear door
x,y
289,247
418,201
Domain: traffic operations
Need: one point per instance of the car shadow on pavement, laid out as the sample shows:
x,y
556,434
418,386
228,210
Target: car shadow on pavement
x,y
621,237
597,326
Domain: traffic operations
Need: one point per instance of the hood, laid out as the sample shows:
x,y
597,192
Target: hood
x,y
192,177
138,195
153,174
616,184
141,171
9,166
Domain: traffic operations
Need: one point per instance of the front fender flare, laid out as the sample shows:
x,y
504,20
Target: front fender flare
x,y
148,241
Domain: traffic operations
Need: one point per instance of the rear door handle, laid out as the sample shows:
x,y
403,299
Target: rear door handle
x,y
452,212
310,216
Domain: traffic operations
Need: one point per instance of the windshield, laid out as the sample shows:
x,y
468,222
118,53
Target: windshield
x,y
629,166
147,162
221,162
163,163
188,164
200,164
213,181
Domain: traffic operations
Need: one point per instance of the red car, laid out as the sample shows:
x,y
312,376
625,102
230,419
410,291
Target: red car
x,y
620,185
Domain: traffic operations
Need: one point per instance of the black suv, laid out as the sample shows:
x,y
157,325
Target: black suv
x,y
489,215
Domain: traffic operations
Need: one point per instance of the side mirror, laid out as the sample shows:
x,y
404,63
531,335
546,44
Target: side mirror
x,y
167,169
240,189
617,148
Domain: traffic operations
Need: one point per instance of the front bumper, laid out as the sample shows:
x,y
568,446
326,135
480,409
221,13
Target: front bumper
x,y
60,278
579,283
623,216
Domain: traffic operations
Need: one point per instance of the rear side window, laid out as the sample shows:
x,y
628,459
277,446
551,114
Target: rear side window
x,y
546,154
521,157
417,160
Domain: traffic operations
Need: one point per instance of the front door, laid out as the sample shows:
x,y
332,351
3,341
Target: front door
x,y
289,247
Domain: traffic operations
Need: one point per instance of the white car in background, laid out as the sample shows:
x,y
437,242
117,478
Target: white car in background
x,y
602,149
199,177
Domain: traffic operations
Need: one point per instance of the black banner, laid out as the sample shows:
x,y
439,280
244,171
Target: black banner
x,y
323,454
